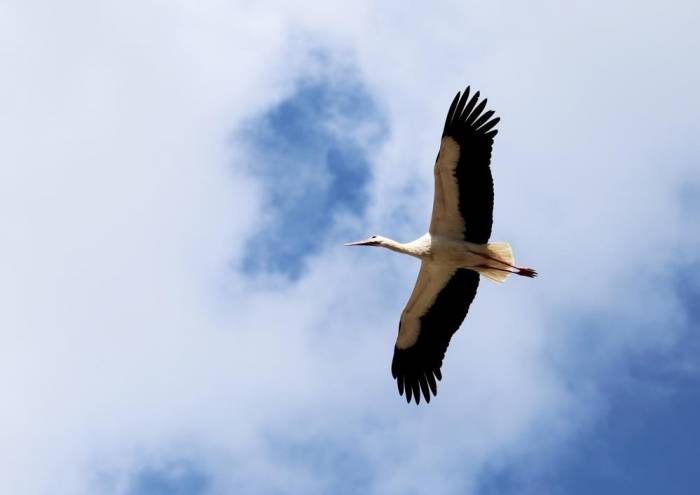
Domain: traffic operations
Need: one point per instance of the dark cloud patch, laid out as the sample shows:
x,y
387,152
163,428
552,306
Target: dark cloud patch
x,y
312,153
179,478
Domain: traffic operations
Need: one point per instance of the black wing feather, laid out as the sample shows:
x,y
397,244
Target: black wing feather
x,y
416,367
468,108
477,111
488,125
460,105
472,131
450,113
482,120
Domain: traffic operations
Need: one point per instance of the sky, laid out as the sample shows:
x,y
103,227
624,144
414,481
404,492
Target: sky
x,y
179,313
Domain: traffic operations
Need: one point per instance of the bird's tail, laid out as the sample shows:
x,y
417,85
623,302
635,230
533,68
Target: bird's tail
x,y
501,263
501,251
501,258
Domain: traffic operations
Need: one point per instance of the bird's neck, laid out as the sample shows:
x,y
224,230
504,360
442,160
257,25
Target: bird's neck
x,y
409,248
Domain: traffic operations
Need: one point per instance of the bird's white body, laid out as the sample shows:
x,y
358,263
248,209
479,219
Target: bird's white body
x,y
454,253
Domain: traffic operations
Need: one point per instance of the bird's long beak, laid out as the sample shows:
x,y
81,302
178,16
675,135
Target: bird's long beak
x,y
367,242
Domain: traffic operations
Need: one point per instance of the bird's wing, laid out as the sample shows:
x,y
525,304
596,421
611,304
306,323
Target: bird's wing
x,y
435,310
463,201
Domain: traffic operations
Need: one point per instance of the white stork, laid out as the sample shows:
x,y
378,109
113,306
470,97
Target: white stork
x,y
454,252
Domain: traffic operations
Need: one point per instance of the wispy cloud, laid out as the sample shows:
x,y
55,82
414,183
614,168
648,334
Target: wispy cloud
x,y
130,339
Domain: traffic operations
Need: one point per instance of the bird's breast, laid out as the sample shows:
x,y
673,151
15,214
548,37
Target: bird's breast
x,y
456,253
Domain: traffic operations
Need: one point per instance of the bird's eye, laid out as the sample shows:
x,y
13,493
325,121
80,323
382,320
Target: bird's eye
x,y
373,237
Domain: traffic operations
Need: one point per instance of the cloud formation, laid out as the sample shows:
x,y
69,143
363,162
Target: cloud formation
x,y
311,153
131,341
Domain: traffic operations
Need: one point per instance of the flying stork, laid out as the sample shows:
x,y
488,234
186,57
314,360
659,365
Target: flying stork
x,y
455,251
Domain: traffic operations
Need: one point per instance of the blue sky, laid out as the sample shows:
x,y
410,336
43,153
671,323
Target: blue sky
x,y
646,439
181,316
309,169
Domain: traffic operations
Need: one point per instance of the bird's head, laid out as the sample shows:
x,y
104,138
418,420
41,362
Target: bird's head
x,y
375,240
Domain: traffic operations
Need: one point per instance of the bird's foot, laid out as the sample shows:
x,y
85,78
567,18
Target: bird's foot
x,y
526,272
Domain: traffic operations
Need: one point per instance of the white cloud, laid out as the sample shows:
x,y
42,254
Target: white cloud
x,y
127,338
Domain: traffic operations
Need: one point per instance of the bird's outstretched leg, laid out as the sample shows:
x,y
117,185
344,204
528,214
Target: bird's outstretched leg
x,y
516,270
500,256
